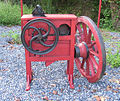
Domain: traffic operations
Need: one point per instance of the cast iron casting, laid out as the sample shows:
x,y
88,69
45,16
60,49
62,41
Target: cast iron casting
x,y
38,11
39,37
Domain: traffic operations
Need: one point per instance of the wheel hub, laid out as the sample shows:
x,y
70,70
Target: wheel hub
x,y
81,50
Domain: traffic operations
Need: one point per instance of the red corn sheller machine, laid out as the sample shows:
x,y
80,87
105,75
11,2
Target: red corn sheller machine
x,y
53,37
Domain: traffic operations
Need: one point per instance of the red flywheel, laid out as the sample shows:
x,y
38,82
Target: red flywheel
x,y
90,55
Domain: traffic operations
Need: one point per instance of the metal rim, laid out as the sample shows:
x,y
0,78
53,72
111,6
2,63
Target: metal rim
x,y
90,68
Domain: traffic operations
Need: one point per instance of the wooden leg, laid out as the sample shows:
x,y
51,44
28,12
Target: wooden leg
x,y
70,74
28,75
67,71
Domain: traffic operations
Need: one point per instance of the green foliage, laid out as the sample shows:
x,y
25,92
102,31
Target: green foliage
x,y
106,21
47,5
10,14
106,36
110,15
114,59
14,35
16,38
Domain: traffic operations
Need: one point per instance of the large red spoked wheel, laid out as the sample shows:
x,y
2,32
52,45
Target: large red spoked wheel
x,y
90,55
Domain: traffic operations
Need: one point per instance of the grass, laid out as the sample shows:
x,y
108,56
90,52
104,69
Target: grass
x,y
106,36
108,30
14,35
16,38
10,14
114,59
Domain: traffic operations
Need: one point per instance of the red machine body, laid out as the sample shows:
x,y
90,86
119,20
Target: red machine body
x,y
45,39
64,49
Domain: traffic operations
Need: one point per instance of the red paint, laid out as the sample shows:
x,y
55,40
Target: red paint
x,y
63,51
65,47
100,3
89,68
83,50
21,8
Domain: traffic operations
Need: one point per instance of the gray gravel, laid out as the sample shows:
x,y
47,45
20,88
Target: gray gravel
x,y
51,78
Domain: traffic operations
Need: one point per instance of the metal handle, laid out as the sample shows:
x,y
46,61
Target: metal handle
x,y
100,3
21,8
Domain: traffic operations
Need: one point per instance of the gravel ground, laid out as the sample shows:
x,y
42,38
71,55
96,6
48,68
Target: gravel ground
x,y
51,82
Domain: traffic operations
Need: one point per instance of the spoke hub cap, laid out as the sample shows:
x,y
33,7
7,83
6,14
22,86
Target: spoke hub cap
x,y
81,50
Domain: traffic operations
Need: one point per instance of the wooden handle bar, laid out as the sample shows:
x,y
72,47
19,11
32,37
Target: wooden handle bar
x,y
21,7
100,3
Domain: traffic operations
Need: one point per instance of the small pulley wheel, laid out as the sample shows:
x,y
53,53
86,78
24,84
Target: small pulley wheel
x,y
32,34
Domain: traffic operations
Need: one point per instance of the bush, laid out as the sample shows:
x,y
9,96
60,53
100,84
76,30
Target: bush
x,y
114,59
110,15
10,14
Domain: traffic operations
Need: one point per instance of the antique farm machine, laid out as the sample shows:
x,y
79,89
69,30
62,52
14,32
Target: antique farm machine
x,y
53,37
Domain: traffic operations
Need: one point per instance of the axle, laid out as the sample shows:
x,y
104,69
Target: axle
x,y
81,50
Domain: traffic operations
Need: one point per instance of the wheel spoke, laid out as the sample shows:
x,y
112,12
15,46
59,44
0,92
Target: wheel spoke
x,y
79,28
87,68
78,63
91,67
93,43
33,38
89,36
33,32
90,45
77,38
85,31
82,65
46,45
94,53
46,34
94,62
35,29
